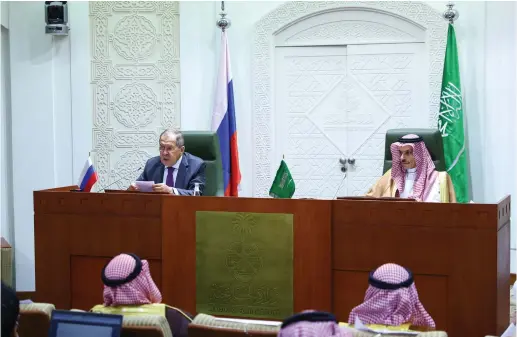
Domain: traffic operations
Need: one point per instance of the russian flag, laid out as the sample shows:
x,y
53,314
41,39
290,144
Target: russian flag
x,y
88,176
223,122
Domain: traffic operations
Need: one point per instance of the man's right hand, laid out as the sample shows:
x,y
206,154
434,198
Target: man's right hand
x,y
132,187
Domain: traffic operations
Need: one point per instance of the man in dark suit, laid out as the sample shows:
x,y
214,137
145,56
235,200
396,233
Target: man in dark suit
x,y
174,170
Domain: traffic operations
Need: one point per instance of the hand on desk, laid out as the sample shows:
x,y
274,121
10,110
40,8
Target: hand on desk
x,y
132,187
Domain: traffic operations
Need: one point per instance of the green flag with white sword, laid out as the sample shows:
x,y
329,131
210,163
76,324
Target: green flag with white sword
x,y
450,120
283,186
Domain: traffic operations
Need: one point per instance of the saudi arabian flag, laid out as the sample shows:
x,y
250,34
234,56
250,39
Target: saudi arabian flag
x,y
450,120
283,185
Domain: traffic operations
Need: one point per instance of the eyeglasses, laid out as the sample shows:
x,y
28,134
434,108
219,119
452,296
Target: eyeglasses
x,y
168,150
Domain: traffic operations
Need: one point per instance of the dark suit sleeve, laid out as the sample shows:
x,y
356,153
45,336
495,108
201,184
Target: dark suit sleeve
x,y
198,177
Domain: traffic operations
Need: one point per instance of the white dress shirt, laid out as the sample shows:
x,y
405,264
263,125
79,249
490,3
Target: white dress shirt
x,y
434,193
174,174
409,182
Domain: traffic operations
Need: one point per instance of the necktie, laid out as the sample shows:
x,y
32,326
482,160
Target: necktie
x,y
170,178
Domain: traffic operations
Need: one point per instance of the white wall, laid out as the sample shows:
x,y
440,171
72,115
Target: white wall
x,y
4,13
81,90
41,122
60,122
500,107
198,53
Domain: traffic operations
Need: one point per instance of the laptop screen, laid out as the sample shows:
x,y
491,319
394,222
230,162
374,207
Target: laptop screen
x,y
84,324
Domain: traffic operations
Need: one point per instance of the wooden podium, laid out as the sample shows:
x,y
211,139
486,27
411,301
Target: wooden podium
x,y
459,253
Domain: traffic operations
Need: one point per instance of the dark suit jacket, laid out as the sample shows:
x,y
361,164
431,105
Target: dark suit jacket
x,y
191,171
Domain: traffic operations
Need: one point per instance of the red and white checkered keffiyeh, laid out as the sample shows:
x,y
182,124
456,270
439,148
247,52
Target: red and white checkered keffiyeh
x,y
313,329
392,307
141,290
426,173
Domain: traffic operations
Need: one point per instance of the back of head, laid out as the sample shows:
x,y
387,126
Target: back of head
x,y
391,299
391,273
10,310
127,281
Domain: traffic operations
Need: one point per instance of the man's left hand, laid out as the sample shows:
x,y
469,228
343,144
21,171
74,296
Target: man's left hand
x,y
162,188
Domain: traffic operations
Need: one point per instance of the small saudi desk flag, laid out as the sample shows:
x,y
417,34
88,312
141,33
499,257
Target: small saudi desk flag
x,y
450,120
283,185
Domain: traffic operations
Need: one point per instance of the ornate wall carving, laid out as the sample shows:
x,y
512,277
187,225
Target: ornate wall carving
x,y
364,31
136,83
279,20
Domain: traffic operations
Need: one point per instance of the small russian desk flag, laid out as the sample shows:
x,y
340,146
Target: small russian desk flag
x,y
88,177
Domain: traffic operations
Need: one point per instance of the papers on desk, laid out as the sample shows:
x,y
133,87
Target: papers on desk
x,y
144,186
360,326
250,321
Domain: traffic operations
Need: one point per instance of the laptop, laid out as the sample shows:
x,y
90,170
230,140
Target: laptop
x,y
84,324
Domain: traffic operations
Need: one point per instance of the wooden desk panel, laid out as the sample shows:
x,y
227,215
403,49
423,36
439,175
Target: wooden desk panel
x,y
312,252
123,204
91,225
465,247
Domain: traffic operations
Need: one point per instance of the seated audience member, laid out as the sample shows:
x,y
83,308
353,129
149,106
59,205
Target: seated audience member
x,y
174,171
392,299
10,312
413,174
130,290
312,324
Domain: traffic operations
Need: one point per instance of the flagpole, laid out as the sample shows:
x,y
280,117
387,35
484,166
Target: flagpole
x,y
223,22
450,14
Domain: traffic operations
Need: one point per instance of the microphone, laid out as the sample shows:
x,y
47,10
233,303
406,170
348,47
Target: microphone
x,y
339,187
116,181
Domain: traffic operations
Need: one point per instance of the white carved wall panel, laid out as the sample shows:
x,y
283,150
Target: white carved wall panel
x,y
308,78
135,73
317,103
390,77
338,102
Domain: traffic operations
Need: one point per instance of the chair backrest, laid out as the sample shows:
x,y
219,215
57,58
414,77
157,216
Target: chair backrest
x,y
196,330
432,139
205,145
210,326
145,326
35,319
141,331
